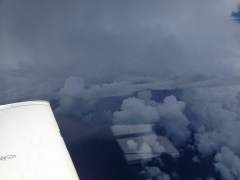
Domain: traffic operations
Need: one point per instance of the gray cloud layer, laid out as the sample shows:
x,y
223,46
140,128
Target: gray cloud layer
x,y
43,43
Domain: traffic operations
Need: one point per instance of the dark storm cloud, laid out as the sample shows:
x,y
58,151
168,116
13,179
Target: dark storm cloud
x,y
43,43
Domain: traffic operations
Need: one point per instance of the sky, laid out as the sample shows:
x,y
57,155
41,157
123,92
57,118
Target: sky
x,y
108,62
44,44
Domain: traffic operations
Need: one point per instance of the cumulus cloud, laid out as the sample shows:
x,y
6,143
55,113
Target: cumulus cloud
x,y
172,117
216,121
227,164
146,145
134,110
169,114
154,173
132,145
77,93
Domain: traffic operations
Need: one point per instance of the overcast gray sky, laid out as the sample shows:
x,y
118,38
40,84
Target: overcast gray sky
x,y
43,43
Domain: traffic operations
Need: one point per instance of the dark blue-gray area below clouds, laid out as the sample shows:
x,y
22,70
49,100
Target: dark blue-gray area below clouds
x,y
236,15
101,153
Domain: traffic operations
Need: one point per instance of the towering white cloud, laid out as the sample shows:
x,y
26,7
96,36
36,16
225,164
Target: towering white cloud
x,y
169,114
134,110
217,120
227,164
